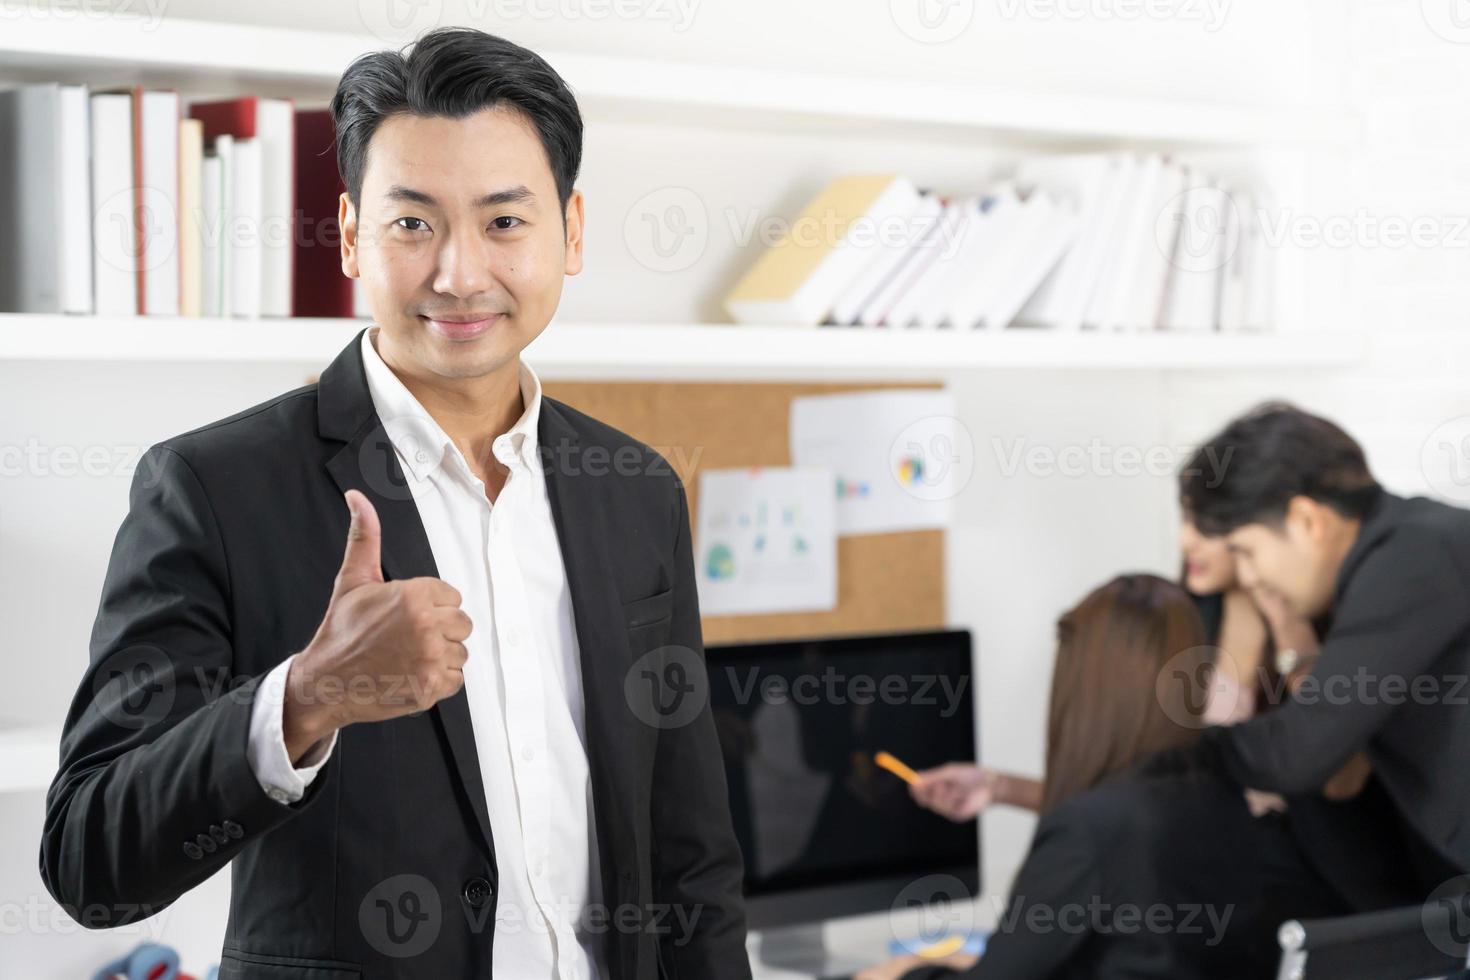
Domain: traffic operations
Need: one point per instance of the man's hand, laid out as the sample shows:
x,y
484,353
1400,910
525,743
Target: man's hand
x,y
384,649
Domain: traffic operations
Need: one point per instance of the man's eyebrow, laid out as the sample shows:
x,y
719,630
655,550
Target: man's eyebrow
x,y
520,194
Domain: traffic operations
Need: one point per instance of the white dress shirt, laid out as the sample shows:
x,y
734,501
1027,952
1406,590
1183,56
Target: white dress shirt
x,y
523,679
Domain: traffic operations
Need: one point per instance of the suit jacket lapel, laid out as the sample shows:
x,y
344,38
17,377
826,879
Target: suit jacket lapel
x,y
368,463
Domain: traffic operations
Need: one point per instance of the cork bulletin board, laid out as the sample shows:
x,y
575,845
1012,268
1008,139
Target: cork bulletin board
x,y
885,582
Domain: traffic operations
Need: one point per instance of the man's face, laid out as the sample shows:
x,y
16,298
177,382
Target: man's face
x,y
1297,559
459,240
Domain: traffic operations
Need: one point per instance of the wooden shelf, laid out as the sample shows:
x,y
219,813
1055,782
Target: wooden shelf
x,y
208,57
686,352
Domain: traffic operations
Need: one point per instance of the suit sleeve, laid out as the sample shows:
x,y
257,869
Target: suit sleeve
x,y
698,867
1399,613
154,792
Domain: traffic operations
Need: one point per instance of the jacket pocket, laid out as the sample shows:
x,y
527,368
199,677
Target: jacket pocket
x,y
237,964
649,609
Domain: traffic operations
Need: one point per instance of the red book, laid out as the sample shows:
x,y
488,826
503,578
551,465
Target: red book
x,y
321,288
270,121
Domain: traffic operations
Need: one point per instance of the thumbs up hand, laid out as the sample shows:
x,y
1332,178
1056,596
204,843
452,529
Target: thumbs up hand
x,y
383,649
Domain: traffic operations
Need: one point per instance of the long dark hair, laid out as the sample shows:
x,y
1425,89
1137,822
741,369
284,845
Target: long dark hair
x,y
1107,708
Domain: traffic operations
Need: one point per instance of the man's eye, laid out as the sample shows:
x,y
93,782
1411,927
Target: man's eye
x,y
412,224
505,217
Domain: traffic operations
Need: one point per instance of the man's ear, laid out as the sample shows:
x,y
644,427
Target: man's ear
x,y
574,225
1306,518
347,221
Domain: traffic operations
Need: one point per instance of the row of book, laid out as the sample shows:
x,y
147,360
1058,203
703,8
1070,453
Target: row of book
x,y
1102,242
129,201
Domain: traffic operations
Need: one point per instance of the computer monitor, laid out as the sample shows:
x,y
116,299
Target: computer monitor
x,y
825,831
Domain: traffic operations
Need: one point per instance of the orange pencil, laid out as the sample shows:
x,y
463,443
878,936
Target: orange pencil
x,y
893,765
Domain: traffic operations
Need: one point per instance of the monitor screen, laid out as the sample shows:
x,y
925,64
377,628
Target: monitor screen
x,y
799,724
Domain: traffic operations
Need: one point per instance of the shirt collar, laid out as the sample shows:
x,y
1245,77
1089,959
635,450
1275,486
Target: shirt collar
x,y
420,442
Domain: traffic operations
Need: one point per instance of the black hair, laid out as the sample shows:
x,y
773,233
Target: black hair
x,y
1252,469
455,72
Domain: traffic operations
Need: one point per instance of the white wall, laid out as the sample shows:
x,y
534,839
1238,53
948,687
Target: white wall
x,y
1025,544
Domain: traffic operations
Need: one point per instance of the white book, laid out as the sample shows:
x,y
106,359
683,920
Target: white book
x,y
920,252
160,199
1158,232
275,130
880,295
957,266
1131,233
1192,301
114,236
245,246
75,185
210,229
935,251
888,254
1092,182
1002,214
1048,231
47,237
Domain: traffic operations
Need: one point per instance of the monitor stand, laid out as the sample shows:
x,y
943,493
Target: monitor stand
x,y
802,950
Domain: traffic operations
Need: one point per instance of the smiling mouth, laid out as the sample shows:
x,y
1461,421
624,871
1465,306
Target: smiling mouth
x,y
462,326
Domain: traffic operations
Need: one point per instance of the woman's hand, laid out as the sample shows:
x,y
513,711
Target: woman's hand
x,y
895,968
963,790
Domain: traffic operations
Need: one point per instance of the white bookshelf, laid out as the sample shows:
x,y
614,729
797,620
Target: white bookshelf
x,y
28,756
199,56
688,351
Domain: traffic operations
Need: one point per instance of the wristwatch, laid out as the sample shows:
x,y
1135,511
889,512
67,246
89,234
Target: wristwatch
x,y
1287,660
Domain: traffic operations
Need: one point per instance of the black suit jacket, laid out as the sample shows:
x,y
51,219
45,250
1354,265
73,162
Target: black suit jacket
x,y
1105,890
386,868
1393,679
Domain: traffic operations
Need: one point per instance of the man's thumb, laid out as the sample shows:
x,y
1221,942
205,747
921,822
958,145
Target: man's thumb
x,y
361,562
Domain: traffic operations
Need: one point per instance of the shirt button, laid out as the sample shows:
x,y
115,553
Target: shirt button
x,y
233,829
193,851
540,868
422,456
512,637
277,794
528,753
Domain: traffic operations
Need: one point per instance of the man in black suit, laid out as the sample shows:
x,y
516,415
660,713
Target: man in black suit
x,y
490,751
1390,576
